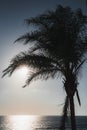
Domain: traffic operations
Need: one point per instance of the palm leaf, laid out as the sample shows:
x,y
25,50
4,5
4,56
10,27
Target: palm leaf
x,y
32,60
42,74
77,94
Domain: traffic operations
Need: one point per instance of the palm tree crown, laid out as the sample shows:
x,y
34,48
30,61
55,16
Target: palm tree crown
x,y
59,39
59,47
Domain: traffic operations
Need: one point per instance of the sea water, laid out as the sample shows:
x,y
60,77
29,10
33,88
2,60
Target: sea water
x,y
26,122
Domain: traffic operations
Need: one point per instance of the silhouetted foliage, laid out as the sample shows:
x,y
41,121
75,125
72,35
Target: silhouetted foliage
x,y
59,47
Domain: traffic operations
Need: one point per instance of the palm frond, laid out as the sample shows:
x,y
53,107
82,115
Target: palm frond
x,y
32,60
79,66
29,37
77,94
60,23
42,74
9,70
38,21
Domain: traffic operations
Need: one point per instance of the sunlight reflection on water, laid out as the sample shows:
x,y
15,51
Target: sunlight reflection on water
x,y
21,122
27,122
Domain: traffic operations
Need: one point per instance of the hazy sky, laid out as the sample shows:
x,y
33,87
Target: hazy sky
x,y
41,97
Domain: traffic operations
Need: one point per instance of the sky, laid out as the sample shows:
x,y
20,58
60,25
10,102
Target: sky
x,y
41,97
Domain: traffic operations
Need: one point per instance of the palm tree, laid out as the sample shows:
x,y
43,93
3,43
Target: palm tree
x,y
58,48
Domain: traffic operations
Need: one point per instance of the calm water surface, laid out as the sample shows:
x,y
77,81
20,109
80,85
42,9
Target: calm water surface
x,y
37,123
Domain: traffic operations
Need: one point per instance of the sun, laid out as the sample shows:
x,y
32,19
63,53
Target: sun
x,y
23,70
21,73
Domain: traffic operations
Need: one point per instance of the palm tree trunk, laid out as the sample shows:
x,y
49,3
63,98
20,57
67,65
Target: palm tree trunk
x,y
64,116
72,111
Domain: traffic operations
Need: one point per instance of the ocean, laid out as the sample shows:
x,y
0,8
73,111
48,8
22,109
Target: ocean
x,y
24,122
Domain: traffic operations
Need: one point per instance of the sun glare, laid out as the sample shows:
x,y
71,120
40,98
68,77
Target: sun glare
x,y
21,122
23,70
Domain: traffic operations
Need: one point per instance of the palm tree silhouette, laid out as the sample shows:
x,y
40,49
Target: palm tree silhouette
x,y
58,48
